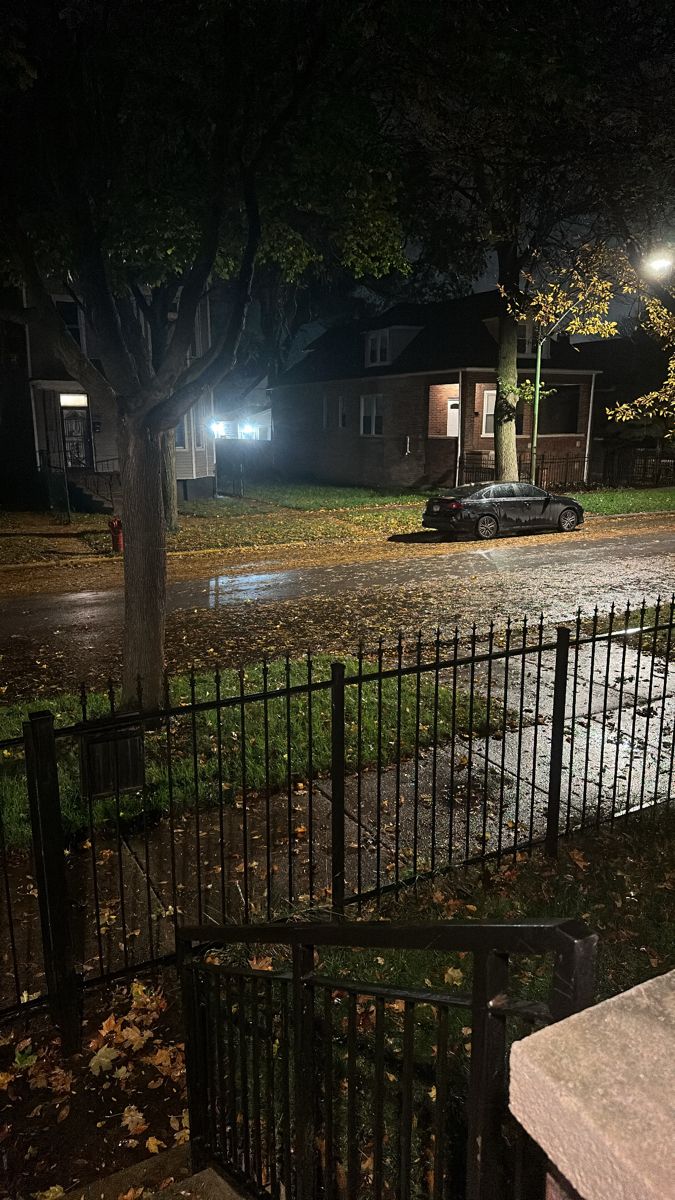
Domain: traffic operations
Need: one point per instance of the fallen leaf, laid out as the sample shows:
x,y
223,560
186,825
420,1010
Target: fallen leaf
x,y
103,1060
153,1145
134,1193
453,975
579,859
63,1114
260,964
133,1119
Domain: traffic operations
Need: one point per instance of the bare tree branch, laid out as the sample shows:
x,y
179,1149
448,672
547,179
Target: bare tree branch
x,y
208,370
63,345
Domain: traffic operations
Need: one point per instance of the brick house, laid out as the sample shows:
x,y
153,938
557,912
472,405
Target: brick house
x,y
407,398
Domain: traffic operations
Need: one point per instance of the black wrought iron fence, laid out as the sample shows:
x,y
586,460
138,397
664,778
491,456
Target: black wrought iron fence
x,y
317,785
626,466
306,1080
552,471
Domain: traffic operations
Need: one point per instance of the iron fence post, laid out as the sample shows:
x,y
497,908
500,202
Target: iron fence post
x,y
337,708
303,1053
562,654
64,993
197,1071
487,1079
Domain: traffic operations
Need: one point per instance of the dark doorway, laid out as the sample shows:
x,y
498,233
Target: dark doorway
x,y
77,445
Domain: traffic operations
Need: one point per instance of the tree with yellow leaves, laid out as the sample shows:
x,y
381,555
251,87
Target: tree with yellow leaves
x,y
659,405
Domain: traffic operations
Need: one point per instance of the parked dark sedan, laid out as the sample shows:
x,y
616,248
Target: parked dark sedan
x,y
486,509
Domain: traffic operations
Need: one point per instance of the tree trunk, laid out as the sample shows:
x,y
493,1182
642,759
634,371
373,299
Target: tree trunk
x,y
144,565
506,457
169,490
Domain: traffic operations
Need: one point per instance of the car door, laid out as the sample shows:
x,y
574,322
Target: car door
x,y
536,505
506,505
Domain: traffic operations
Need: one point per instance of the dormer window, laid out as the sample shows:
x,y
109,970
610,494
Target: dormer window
x,y
377,348
528,333
527,341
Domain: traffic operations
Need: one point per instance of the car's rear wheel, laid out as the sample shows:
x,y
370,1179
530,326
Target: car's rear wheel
x,y
487,527
568,520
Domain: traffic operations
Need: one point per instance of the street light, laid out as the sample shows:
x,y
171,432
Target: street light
x,y
659,264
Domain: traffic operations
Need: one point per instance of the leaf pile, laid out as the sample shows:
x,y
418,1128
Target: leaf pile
x,y
66,1121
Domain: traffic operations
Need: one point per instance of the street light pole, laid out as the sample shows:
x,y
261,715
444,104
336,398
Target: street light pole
x,y
537,386
535,411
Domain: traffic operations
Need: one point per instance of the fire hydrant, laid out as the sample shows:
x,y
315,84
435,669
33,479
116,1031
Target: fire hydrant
x,y
116,535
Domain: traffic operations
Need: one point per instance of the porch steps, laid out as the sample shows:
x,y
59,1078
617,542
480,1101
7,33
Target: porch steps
x,y
164,1176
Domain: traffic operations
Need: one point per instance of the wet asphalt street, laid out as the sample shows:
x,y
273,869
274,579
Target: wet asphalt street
x,y
522,575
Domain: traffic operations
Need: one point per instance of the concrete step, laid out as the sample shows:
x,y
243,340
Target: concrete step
x,y
167,1176
206,1185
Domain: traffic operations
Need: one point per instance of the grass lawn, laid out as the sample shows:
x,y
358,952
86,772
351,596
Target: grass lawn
x,y
213,734
614,501
309,496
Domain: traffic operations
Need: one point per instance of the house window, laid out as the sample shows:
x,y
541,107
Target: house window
x,y
559,412
324,414
371,416
181,434
342,413
489,398
453,418
528,334
377,350
69,313
526,338
198,418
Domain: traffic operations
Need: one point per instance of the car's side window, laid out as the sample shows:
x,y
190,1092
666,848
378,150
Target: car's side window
x,y
525,490
504,491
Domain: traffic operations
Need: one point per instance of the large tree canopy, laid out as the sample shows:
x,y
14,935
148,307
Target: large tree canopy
x,y
525,133
151,147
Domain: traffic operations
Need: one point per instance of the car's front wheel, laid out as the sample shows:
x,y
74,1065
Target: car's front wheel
x,y
568,520
487,527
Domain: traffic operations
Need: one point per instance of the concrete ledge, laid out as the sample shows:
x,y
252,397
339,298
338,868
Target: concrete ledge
x,y
597,1093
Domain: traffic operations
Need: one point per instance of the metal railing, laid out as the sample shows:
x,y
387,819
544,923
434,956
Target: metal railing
x,y
313,1082
625,467
314,785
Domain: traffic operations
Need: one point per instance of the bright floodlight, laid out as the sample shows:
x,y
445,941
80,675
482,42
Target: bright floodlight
x,y
247,429
218,428
659,264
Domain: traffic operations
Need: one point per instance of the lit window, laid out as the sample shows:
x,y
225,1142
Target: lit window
x,y
453,418
377,348
371,416
248,432
74,400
